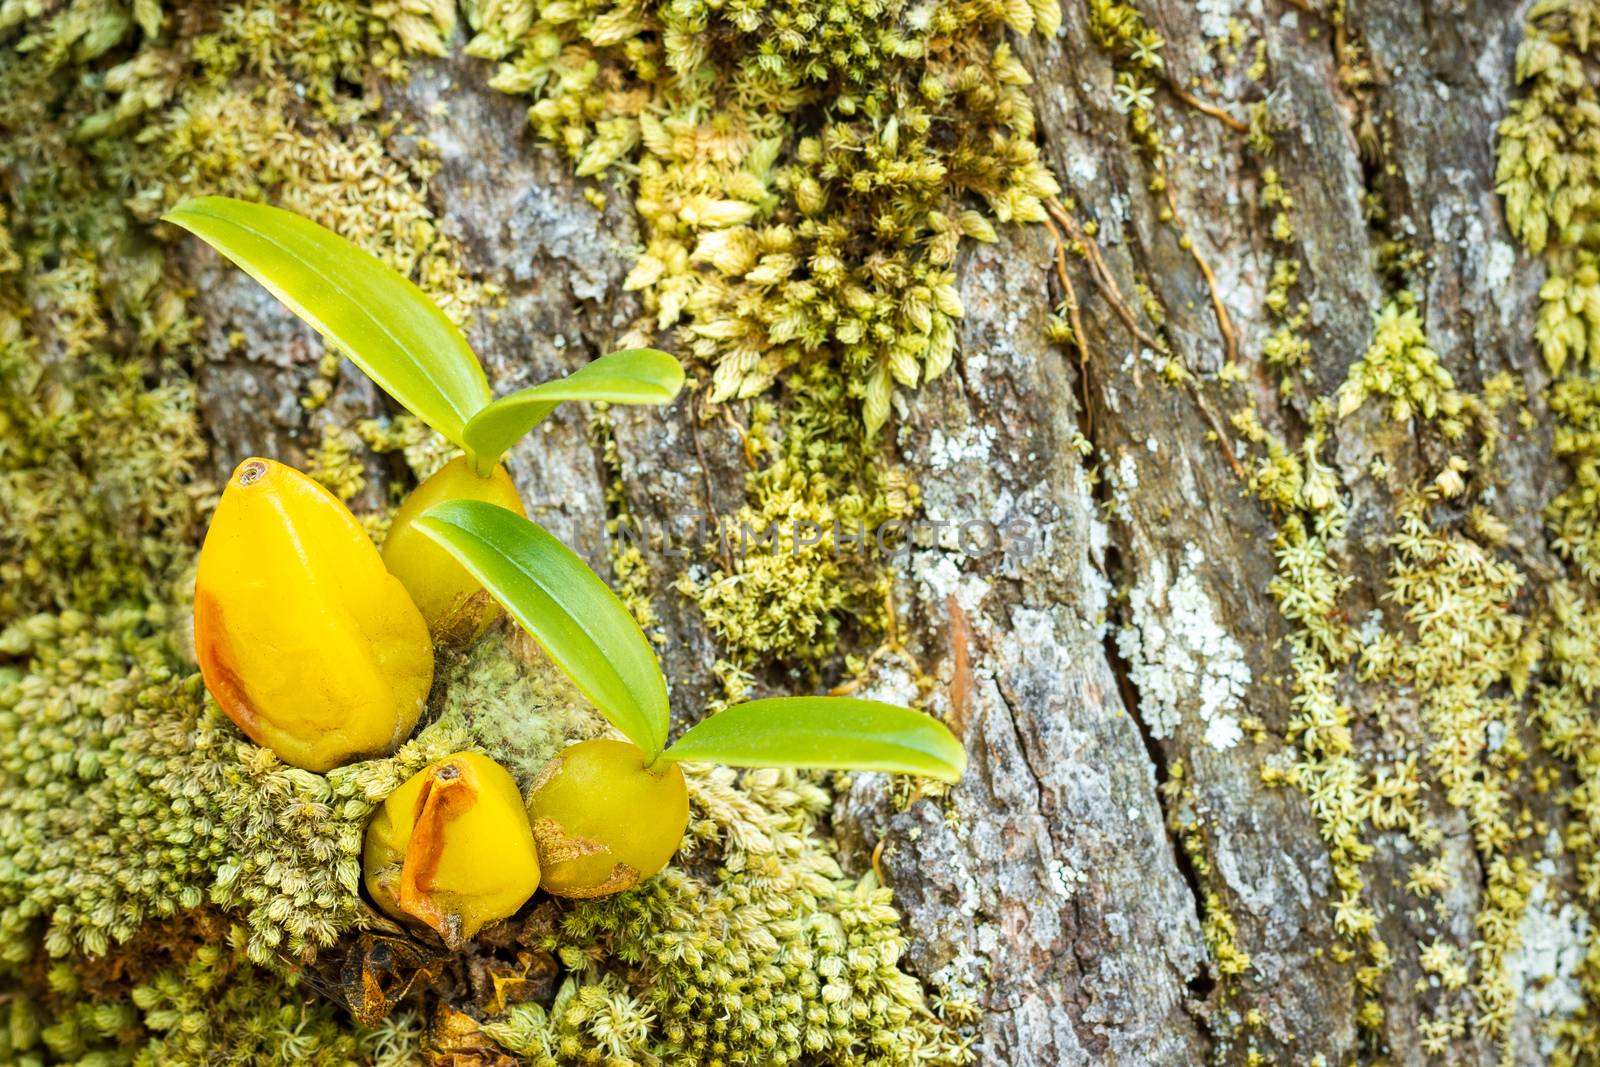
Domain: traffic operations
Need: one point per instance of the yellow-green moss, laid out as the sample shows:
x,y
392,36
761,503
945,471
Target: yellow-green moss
x,y
1464,659
804,176
1400,368
790,600
1548,171
1121,30
212,1002
1549,145
98,449
129,797
1572,513
780,960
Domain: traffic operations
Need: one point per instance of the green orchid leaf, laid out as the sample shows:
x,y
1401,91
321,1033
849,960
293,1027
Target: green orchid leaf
x,y
565,607
386,325
633,376
832,733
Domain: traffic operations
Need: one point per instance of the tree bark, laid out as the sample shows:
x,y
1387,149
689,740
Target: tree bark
x,y
1057,887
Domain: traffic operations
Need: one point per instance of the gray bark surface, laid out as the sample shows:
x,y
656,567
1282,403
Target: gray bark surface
x,y
1058,886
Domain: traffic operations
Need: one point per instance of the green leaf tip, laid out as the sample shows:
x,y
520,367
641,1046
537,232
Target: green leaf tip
x,y
565,607
632,376
387,326
825,733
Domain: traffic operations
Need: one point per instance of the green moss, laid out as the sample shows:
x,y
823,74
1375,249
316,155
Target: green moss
x,y
783,598
1463,658
1546,171
1572,514
1120,29
99,449
1465,665
1563,703
1400,368
131,801
1217,926
210,1006
1286,349
131,796
780,959
800,173
804,179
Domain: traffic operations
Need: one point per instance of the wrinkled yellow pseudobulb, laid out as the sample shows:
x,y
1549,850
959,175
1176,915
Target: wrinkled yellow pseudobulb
x,y
451,848
602,821
454,603
303,636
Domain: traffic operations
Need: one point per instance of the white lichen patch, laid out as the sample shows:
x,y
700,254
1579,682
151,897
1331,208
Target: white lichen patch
x,y
1066,879
1214,17
1181,659
891,682
1544,968
1223,731
939,572
970,444
1498,262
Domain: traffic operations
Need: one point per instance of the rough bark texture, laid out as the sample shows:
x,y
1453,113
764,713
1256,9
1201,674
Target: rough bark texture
x,y
1057,880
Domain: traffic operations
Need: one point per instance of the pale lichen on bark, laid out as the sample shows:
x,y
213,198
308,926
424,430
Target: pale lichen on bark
x,y
1282,728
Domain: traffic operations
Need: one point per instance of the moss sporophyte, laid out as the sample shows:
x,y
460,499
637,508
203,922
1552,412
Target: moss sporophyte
x,y
320,648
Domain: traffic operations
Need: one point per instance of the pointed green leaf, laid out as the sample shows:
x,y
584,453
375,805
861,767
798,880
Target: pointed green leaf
x,y
633,376
833,733
565,607
386,325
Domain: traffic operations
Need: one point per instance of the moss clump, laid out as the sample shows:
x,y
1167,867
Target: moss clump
x,y
1548,167
1549,173
1309,588
1401,369
1286,349
220,1001
1466,665
97,450
780,959
1187,825
129,799
425,451
127,796
319,47
805,176
1572,513
1462,659
803,553
131,796
1564,713
210,1006
1567,725
1120,29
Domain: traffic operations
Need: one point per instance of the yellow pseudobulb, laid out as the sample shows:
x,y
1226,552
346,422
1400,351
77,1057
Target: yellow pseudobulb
x,y
451,848
303,637
603,822
454,603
